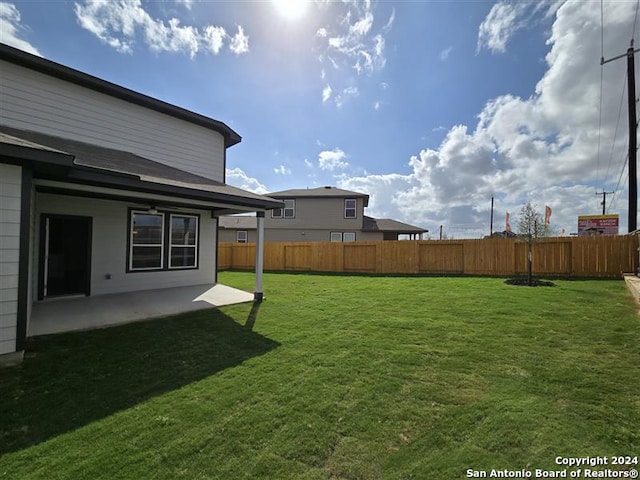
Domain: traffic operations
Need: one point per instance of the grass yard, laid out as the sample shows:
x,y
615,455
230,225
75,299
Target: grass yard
x,y
335,377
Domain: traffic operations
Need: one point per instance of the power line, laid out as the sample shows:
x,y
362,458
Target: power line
x,y
635,19
615,135
601,83
616,190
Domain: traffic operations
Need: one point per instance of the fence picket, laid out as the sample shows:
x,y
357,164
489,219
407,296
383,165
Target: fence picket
x,y
605,256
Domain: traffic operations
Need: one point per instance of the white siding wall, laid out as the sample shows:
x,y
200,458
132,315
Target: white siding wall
x,y
109,246
10,186
34,101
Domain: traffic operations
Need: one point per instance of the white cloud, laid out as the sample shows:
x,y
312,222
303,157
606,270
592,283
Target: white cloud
x,y
308,163
326,93
499,25
238,178
349,92
352,42
444,54
282,170
213,38
376,105
542,148
121,24
240,42
332,159
11,29
187,3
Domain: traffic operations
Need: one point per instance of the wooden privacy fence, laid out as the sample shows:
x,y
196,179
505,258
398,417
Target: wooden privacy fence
x,y
604,256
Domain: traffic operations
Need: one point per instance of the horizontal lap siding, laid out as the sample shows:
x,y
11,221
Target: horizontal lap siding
x,y
33,101
10,189
109,246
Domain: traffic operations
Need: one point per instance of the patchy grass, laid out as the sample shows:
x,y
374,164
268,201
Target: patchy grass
x,y
335,377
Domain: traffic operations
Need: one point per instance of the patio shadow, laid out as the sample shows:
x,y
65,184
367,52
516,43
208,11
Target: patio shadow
x,y
69,380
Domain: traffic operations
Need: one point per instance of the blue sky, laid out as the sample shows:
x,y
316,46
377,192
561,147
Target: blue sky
x,y
430,107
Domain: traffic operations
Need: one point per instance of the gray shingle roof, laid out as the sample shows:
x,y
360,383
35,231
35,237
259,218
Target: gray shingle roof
x,y
388,225
108,160
320,192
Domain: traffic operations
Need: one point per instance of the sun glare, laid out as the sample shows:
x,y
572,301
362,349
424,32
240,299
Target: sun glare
x,y
291,9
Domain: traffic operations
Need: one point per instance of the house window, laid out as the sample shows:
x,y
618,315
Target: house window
x,y
289,210
350,208
146,243
343,237
242,236
184,241
158,244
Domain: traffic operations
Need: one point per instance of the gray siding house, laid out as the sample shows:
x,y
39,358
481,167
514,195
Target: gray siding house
x,y
103,190
317,214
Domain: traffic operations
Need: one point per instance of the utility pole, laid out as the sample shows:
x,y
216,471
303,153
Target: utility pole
x,y
633,128
604,200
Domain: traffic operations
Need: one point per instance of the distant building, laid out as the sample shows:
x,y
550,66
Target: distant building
x,y
317,214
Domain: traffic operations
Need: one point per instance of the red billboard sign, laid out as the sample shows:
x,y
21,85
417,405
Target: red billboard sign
x,y
598,225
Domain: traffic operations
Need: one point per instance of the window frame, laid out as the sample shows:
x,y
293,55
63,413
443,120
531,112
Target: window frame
x,y
166,245
282,212
331,235
354,208
131,244
195,246
246,236
344,236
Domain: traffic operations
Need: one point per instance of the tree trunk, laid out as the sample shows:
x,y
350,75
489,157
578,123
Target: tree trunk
x,y
530,265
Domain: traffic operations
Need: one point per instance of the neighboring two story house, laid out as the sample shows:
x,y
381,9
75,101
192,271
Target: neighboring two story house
x,y
103,190
317,214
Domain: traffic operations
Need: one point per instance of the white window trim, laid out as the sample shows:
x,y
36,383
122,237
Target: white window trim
x,y
331,235
194,246
283,211
344,236
246,236
131,244
355,208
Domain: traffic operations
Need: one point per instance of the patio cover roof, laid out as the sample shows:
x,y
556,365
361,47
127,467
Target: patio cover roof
x,y
89,164
388,225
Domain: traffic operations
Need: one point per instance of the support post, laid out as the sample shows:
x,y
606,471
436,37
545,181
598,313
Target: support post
x,y
258,294
633,126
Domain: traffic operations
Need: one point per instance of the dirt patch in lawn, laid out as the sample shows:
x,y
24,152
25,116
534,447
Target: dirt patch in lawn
x,y
525,282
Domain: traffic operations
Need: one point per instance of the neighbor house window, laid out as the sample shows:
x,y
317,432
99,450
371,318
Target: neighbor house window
x,y
289,210
343,237
161,241
146,243
183,244
242,236
350,208
348,237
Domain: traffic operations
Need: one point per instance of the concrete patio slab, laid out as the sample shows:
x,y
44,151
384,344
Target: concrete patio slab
x,y
84,313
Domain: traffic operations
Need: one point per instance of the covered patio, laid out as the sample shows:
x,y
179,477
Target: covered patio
x,y
64,314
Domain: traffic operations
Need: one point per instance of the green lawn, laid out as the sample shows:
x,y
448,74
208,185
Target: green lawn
x,y
335,377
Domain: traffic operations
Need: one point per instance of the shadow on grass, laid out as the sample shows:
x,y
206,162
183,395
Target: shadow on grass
x,y
69,380
253,315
